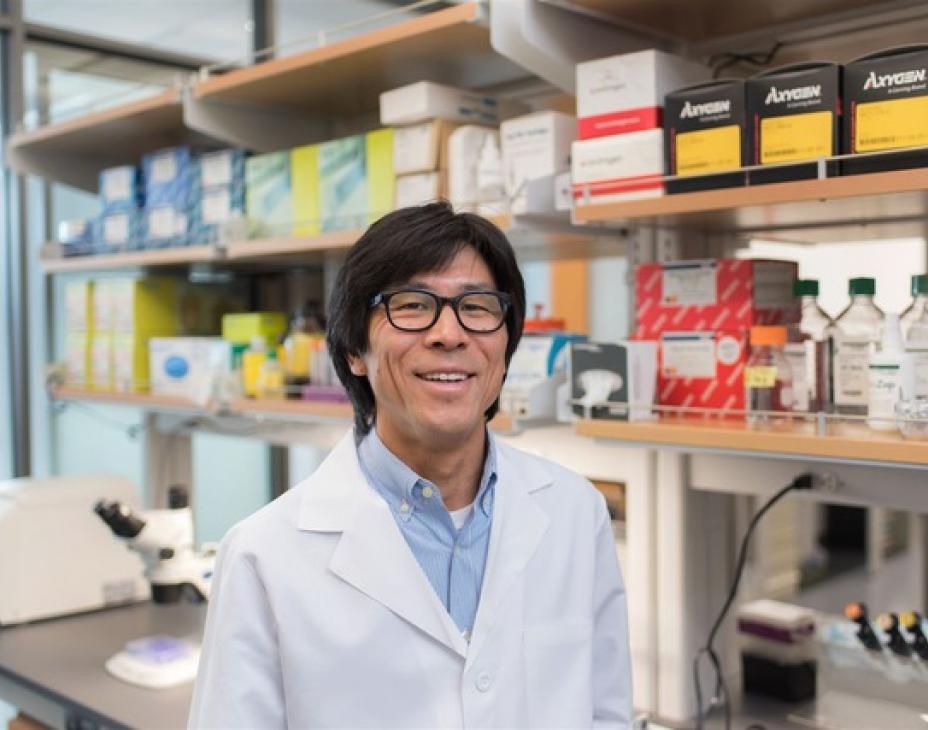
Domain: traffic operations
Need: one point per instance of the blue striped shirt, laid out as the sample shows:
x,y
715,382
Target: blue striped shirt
x,y
453,560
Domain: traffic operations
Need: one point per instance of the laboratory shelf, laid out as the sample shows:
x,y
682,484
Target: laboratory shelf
x,y
850,442
886,204
345,78
159,257
141,400
74,151
291,245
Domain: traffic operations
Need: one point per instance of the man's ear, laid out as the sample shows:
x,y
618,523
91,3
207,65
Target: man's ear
x,y
357,366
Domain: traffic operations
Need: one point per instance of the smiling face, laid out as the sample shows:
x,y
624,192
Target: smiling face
x,y
433,387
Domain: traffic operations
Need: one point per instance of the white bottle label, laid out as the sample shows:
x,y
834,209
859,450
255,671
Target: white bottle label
x,y
797,356
885,383
915,373
852,358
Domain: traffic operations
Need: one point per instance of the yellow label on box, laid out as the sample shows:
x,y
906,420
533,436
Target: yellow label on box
x,y
760,376
796,137
304,181
709,150
891,125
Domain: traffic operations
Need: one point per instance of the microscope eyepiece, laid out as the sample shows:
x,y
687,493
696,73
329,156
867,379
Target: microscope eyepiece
x,y
119,518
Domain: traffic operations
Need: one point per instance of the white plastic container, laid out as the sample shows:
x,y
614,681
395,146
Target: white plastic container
x,y
534,146
885,373
857,334
426,100
465,145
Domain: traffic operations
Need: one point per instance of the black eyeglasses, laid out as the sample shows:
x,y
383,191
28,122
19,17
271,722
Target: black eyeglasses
x,y
416,310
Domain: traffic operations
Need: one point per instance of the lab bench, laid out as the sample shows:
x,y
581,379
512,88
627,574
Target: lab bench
x,y
53,670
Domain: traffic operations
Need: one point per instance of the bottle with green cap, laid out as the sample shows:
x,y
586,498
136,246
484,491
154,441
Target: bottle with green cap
x,y
856,337
812,353
914,320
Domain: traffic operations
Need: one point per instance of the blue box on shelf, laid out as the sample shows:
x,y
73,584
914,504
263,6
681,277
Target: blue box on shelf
x,y
221,168
215,208
117,231
268,194
170,177
120,188
76,237
164,226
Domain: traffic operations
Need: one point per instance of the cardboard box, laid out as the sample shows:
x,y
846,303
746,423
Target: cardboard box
x,y
706,136
715,294
100,375
130,363
795,116
464,148
621,167
144,307
239,329
268,194
625,93
421,147
223,168
381,180
120,188
304,183
420,188
117,231
885,107
703,369
188,366
170,177
427,100
165,225
534,146
623,373
77,358
78,306
356,180
215,214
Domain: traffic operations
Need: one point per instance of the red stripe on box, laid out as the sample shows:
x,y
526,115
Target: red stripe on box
x,y
629,120
619,185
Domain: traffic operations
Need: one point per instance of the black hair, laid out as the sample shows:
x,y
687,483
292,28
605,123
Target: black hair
x,y
402,244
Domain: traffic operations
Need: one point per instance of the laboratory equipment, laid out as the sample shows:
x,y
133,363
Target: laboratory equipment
x,y
885,377
58,558
164,539
857,612
538,368
857,333
814,329
912,623
889,623
768,378
156,662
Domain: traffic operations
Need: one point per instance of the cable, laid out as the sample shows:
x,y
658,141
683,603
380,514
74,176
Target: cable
x,y
720,61
803,481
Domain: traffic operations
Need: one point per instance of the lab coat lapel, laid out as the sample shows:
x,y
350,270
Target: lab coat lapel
x,y
518,527
372,555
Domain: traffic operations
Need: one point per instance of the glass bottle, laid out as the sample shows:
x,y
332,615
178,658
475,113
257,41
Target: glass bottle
x,y
856,337
815,332
768,378
914,320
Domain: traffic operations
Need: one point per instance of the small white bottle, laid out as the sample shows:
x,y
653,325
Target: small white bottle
x,y
490,177
885,372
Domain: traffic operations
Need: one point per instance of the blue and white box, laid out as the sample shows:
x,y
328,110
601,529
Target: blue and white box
x,y
117,231
343,183
170,177
120,188
268,192
220,195
166,225
76,236
222,168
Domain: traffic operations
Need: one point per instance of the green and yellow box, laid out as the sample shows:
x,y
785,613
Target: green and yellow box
x,y
304,177
268,194
240,329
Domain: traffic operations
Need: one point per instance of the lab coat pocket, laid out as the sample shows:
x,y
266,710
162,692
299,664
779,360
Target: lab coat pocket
x,y
558,670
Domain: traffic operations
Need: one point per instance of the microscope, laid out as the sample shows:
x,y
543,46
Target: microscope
x,y
164,539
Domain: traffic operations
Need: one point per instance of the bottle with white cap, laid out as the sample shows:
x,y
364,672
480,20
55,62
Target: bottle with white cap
x,y
885,373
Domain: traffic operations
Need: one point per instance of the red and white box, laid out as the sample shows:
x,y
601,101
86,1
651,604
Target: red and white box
x,y
622,94
714,294
702,369
623,167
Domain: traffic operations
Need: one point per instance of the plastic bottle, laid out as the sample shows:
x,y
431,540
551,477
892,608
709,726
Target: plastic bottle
x,y
252,359
885,371
856,336
271,378
814,334
768,378
490,172
914,320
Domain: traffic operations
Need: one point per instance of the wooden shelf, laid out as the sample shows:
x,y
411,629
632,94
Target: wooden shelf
x,y
883,203
74,151
345,78
151,258
297,409
850,442
290,246
141,400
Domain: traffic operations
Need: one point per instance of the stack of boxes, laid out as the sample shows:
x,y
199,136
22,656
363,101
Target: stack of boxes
x,y
78,324
701,313
426,115
118,227
619,152
170,177
218,195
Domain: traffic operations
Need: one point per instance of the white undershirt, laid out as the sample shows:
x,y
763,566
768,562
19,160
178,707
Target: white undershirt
x,y
460,516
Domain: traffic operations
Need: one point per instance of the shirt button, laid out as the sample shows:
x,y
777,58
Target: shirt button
x,y
466,635
457,552
427,492
483,681
404,507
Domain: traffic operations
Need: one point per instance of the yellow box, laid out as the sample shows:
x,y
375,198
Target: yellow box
x,y
101,305
101,361
130,363
144,307
239,329
78,305
304,187
891,125
796,137
709,150
381,181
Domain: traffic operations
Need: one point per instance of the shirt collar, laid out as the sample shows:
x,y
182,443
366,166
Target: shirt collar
x,y
400,484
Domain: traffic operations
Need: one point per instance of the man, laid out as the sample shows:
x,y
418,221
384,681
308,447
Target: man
x,y
425,575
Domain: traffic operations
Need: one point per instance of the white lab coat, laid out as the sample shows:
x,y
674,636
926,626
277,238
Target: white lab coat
x,y
320,616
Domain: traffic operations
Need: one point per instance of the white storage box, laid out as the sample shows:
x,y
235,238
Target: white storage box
x,y
534,146
426,100
625,93
464,147
423,187
421,147
622,167
187,366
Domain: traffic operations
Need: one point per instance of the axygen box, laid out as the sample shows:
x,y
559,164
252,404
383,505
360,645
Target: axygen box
x,y
713,294
625,93
886,109
705,136
795,117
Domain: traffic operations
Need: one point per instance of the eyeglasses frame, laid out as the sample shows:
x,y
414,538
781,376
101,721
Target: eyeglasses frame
x,y
454,302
